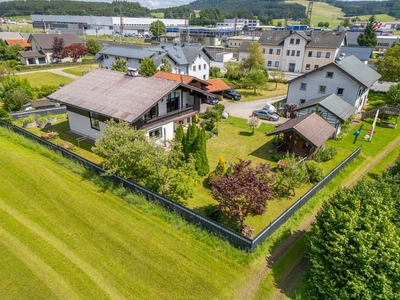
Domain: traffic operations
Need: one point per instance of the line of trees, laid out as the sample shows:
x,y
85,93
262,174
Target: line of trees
x,y
361,8
354,244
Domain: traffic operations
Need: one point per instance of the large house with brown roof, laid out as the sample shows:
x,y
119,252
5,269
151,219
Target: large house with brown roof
x,y
185,59
42,44
155,105
347,77
303,135
297,51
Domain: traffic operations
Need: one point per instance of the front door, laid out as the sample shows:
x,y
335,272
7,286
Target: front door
x,y
291,67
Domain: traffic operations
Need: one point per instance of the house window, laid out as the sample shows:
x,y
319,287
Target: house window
x,y
297,41
194,68
277,64
309,53
292,41
329,74
303,86
188,120
327,55
322,89
278,51
287,52
94,120
263,50
319,54
205,66
307,67
200,54
302,101
204,76
293,52
106,56
156,133
140,61
340,91
269,63
316,67
271,51
199,67
298,53
173,101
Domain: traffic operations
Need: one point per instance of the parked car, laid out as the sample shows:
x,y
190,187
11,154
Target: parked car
x,y
269,107
232,94
266,115
210,100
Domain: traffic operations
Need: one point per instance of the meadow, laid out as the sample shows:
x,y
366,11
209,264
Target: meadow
x,y
65,237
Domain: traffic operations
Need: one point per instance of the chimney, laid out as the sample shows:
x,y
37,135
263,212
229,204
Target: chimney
x,y
132,72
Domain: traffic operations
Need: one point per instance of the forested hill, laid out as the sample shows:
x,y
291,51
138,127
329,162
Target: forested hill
x,y
360,8
67,7
272,9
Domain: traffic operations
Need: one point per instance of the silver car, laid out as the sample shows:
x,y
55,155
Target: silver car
x,y
266,115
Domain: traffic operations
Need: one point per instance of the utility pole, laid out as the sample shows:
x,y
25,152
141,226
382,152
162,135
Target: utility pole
x,y
121,22
309,10
187,30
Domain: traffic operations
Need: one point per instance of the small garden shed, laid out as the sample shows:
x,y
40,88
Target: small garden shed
x,y
302,135
331,108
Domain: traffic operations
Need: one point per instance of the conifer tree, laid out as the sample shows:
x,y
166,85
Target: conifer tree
x,y
179,135
190,139
368,37
200,153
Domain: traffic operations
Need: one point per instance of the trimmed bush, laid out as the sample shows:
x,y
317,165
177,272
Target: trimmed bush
x,y
214,131
28,120
43,120
213,212
5,116
325,154
315,171
220,107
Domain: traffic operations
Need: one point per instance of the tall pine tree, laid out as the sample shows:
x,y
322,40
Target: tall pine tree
x,y
368,37
190,140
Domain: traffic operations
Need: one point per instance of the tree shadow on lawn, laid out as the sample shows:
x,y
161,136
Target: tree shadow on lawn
x,y
263,151
245,133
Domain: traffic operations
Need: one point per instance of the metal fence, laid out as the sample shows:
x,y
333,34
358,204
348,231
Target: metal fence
x,y
193,217
41,112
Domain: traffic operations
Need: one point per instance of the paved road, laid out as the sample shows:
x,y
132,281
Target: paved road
x,y
245,109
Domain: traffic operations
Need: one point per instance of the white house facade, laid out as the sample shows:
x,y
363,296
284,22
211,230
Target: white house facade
x,y
155,105
348,78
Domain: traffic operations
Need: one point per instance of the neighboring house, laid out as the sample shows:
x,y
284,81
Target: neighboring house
x,y
297,51
215,86
186,59
42,44
347,77
4,35
237,41
303,135
22,42
363,53
331,108
155,105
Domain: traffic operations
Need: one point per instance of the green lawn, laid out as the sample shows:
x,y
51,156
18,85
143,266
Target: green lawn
x,y
268,92
62,237
45,78
79,71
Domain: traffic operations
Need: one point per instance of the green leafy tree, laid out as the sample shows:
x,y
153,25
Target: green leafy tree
x,y
393,95
346,23
354,250
58,48
326,24
165,66
293,175
12,51
147,67
256,79
93,46
368,37
389,64
254,123
157,28
15,92
200,153
120,65
278,76
255,60
129,153
215,72
321,24
5,116
233,70
244,191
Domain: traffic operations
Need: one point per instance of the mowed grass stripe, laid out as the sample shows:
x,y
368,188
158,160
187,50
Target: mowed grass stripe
x,y
44,272
136,252
9,281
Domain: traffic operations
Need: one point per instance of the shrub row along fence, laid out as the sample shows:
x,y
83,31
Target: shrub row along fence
x,y
232,236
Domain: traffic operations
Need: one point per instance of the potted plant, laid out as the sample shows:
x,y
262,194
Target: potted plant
x,y
42,122
29,122
52,119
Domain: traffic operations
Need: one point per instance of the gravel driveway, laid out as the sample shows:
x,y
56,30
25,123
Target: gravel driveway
x,y
245,109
